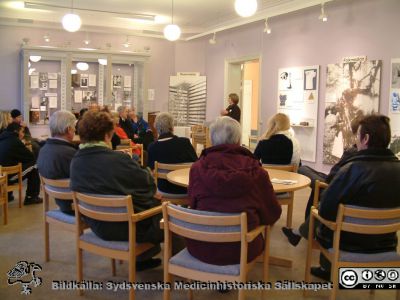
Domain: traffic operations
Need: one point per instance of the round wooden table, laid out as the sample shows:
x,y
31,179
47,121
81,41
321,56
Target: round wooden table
x,y
181,177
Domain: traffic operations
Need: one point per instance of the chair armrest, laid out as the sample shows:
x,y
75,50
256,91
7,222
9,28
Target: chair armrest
x,y
323,185
147,214
250,236
162,224
331,225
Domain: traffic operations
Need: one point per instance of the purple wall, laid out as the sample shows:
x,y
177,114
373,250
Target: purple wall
x,y
354,27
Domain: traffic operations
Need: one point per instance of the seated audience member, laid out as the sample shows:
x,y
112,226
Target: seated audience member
x,y
125,123
81,113
55,157
142,132
233,109
120,133
278,146
169,149
12,152
370,179
97,169
227,178
294,236
5,120
36,144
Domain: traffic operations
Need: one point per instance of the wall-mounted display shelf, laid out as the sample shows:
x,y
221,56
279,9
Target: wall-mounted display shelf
x,y
72,79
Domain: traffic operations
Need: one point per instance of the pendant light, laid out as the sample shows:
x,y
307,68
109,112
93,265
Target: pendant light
x,y
71,22
245,8
172,32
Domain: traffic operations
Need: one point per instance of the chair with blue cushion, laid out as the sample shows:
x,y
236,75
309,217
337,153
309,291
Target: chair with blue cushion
x,y
209,227
359,220
109,208
55,189
288,197
160,172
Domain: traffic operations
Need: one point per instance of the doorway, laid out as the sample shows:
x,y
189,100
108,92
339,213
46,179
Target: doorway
x,y
242,76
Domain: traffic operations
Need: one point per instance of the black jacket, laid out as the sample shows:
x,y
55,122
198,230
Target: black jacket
x,y
13,151
99,170
54,163
234,112
126,125
175,150
278,149
371,178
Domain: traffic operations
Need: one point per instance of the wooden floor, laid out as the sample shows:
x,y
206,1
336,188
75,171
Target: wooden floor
x,y
22,239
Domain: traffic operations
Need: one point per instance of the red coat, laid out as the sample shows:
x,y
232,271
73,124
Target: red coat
x,y
228,178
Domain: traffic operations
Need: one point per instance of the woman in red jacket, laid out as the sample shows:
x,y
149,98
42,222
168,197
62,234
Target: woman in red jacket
x,y
228,178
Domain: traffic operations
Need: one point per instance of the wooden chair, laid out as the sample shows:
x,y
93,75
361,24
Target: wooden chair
x,y
160,172
4,197
129,150
15,170
318,186
200,136
125,150
126,142
109,208
196,225
359,220
288,197
55,189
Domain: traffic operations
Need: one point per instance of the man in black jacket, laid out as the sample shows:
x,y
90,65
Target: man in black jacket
x,y
55,157
125,123
371,178
12,152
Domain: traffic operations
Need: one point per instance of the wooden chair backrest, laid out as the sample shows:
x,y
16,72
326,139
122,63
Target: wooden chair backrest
x,y
289,168
161,170
362,220
57,188
124,150
200,135
109,208
12,169
126,142
195,225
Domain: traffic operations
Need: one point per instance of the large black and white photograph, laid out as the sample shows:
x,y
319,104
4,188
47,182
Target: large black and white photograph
x,y
352,90
84,80
43,81
89,96
117,81
395,75
187,99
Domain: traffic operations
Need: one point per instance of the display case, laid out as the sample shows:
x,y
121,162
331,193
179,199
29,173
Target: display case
x,y
72,79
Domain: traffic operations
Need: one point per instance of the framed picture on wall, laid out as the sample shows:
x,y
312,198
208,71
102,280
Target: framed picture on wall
x,y
395,101
117,81
84,81
310,79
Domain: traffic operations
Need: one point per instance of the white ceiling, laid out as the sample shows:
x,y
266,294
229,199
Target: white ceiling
x,y
195,17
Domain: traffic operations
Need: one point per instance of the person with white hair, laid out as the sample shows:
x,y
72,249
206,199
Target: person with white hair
x,y
169,149
124,122
55,156
228,178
